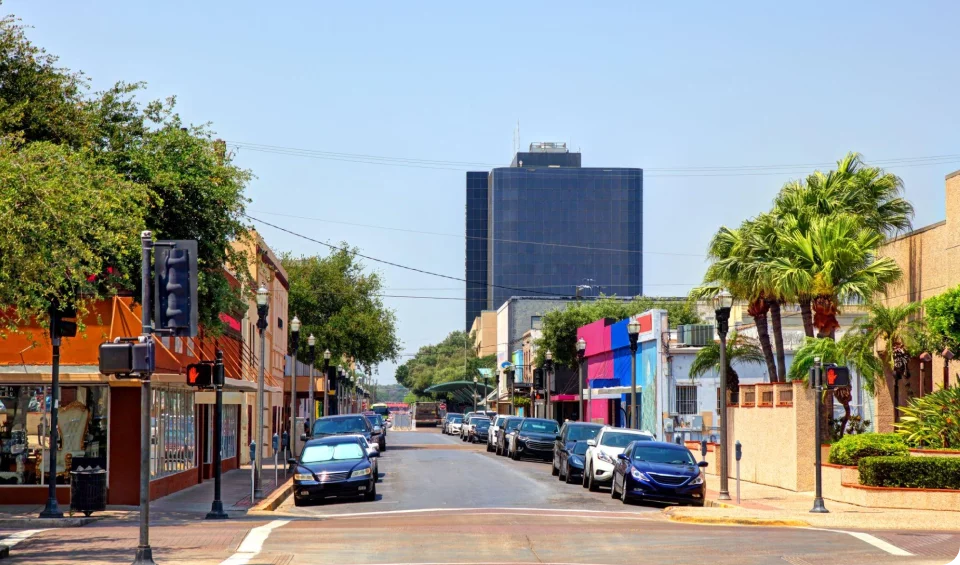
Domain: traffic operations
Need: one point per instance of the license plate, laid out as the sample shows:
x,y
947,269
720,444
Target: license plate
x,y
361,489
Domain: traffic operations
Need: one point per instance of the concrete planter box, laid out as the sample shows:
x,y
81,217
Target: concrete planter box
x,y
841,483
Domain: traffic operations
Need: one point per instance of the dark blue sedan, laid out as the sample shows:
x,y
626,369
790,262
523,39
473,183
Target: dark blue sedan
x,y
333,466
659,472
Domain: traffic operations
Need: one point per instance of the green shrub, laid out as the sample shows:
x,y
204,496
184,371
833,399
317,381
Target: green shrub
x,y
911,472
850,449
932,420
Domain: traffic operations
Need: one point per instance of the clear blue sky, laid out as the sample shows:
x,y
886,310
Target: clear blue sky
x,y
631,84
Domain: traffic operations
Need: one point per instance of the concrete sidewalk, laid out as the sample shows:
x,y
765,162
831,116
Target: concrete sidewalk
x,y
193,502
766,505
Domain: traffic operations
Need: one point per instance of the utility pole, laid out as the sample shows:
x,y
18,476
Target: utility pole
x,y
144,551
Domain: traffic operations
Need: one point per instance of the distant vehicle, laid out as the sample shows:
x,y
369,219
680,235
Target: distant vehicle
x,y
534,438
444,427
348,424
469,425
571,462
382,409
570,433
426,414
510,426
479,430
454,424
495,429
333,466
463,428
658,471
378,425
601,456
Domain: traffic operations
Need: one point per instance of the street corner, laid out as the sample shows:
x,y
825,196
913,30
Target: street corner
x,y
269,505
723,516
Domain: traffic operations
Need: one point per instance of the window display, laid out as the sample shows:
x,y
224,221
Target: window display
x,y
172,438
228,436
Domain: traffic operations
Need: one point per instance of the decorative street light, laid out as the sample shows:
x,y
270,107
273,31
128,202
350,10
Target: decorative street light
x,y
722,303
633,332
326,382
311,407
475,380
341,389
263,308
581,352
295,344
547,373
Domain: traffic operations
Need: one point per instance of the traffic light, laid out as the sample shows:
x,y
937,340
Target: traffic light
x,y
63,321
175,284
127,359
200,375
538,378
836,376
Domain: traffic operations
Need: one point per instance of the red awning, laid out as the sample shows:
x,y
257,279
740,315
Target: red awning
x,y
230,321
564,398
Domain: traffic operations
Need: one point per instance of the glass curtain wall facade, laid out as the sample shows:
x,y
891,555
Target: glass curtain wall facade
x,y
476,240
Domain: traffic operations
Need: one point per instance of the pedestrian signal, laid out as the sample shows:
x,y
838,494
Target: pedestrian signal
x,y
200,375
836,376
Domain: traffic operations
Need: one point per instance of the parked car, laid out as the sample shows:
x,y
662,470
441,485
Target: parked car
x,y
444,427
570,433
659,471
480,429
377,420
495,429
335,465
370,449
601,456
348,424
455,424
469,423
571,462
533,438
509,427
466,420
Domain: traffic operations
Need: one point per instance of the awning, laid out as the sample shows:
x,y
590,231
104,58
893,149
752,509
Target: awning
x,y
461,391
563,398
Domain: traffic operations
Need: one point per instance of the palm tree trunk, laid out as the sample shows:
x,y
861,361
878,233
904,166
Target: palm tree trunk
x,y
763,335
807,314
778,341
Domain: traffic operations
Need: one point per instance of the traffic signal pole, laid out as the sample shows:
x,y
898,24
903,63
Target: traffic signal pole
x,y
144,551
216,510
52,510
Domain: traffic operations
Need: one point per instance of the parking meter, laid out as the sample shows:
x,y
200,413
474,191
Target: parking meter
x,y
253,451
276,447
739,450
276,441
253,470
703,449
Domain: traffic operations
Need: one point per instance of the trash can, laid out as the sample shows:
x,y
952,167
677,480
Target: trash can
x,y
88,490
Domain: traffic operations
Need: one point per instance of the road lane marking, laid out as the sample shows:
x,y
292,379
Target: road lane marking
x,y
872,540
498,511
252,543
14,539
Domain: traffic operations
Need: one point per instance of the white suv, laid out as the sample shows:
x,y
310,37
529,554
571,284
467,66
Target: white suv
x,y
495,428
601,456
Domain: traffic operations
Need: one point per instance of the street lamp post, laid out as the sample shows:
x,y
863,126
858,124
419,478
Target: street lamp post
x,y
547,373
326,382
475,380
581,352
295,344
262,309
817,378
311,348
633,332
52,509
340,390
722,303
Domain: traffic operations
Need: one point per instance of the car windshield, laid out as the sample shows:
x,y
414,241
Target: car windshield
x,y
375,419
512,424
539,426
457,419
668,455
580,448
352,425
478,419
483,423
620,439
331,452
582,433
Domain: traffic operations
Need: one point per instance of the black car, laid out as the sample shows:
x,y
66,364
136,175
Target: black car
x,y
480,430
571,462
349,424
379,425
510,426
333,466
533,438
570,433
660,472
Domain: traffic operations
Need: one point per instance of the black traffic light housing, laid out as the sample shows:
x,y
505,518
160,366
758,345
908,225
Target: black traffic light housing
x,y
63,321
200,374
175,283
538,378
835,376
127,359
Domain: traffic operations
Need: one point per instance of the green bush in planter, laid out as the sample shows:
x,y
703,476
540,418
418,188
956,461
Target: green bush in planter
x,y
850,449
911,472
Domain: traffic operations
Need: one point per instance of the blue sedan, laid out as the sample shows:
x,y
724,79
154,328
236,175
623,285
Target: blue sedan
x,y
659,472
333,466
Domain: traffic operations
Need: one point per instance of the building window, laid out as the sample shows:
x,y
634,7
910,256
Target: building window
x,y
172,432
228,435
280,323
686,399
25,432
536,322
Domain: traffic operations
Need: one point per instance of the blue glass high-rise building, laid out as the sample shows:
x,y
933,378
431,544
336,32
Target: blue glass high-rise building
x,y
546,225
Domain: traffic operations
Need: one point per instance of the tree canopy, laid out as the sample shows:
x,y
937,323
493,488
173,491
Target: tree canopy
x,y
453,359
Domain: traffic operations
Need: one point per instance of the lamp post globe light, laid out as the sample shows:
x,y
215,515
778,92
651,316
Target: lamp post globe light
x,y
475,380
311,408
581,353
294,345
722,303
633,332
263,308
326,383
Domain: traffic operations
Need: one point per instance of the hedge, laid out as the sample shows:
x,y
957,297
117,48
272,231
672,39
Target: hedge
x,y
851,448
911,472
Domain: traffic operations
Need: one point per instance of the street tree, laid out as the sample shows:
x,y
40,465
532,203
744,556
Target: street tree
x,y
339,303
453,359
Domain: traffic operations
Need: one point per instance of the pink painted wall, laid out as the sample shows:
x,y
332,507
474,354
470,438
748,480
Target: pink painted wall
x,y
598,409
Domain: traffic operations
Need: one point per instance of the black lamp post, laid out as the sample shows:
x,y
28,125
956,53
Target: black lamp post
x,y
722,303
341,389
633,332
581,352
817,379
475,380
263,309
326,382
52,508
216,509
312,351
294,344
547,374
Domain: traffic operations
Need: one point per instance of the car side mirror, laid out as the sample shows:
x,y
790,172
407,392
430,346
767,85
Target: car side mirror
x,y
303,437
377,429
373,453
292,461
702,464
592,442
622,456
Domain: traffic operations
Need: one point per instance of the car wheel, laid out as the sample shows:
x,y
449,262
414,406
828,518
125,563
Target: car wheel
x,y
586,474
623,493
489,449
382,446
555,471
592,485
516,455
371,494
560,474
613,487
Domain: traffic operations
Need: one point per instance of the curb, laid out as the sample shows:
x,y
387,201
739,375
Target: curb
x,y
34,523
276,498
734,521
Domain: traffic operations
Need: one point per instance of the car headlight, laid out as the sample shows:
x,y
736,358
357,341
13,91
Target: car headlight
x,y
361,472
303,477
576,460
698,480
639,476
522,438
604,457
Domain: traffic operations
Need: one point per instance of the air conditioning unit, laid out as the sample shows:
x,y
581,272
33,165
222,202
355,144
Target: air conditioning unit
x,y
681,335
698,335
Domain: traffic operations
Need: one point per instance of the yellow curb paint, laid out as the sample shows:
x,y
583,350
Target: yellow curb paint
x,y
731,521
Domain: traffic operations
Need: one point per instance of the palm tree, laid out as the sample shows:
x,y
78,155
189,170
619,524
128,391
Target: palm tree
x,y
740,349
761,247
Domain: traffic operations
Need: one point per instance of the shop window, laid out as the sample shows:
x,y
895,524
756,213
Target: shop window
x,y
228,435
686,399
25,432
172,434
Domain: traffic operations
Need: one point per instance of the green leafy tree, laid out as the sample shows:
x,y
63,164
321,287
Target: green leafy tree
x,y
339,303
453,359
66,221
741,350
942,313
